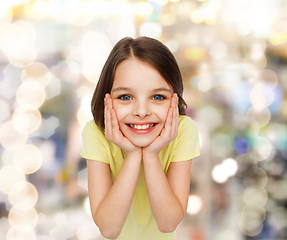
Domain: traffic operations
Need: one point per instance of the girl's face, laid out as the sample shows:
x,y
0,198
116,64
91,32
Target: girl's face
x,y
141,99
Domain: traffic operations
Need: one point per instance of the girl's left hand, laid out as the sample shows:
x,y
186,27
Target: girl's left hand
x,y
169,131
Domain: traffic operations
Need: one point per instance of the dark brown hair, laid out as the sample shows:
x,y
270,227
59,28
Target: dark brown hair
x,y
145,49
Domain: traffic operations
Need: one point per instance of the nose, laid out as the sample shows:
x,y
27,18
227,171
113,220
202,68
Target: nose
x,y
141,109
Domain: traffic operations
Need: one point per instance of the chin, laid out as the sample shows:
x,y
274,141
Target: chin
x,y
141,142
142,145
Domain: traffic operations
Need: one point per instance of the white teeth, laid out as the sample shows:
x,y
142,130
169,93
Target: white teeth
x,y
142,127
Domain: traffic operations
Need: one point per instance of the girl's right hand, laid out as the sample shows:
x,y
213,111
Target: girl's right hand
x,y
112,129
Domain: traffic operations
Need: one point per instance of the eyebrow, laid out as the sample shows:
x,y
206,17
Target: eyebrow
x,y
162,89
121,89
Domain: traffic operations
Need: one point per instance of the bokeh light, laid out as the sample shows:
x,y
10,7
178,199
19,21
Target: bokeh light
x,y
255,177
30,95
23,192
38,72
261,96
6,15
19,53
232,56
19,232
230,165
38,9
251,220
28,158
9,176
79,13
263,149
241,145
210,117
84,112
20,29
10,137
95,43
278,38
194,204
260,117
22,55
255,197
153,30
221,172
26,120
5,110
23,215
143,9
196,54
94,48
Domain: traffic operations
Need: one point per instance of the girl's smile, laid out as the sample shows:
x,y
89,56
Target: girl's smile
x,y
142,128
141,99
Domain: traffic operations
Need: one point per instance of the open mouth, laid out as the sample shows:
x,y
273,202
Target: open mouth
x,y
142,126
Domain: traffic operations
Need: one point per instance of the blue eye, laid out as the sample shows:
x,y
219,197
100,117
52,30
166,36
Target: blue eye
x,y
125,97
158,97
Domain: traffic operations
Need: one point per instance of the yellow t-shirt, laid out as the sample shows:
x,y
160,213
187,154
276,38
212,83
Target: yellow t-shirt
x,y
140,223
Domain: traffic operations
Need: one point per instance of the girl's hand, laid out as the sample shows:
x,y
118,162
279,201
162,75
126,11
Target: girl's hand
x,y
169,131
112,129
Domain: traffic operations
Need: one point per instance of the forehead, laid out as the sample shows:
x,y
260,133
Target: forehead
x,y
136,74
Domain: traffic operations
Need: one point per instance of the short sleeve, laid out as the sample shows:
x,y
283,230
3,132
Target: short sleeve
x,y
187,142
94,143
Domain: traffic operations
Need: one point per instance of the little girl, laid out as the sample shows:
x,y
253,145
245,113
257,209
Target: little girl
x,y
140,144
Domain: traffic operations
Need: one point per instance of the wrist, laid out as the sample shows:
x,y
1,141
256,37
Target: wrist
x,y
137,154
149,156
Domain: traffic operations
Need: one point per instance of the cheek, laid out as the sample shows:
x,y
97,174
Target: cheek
x,y
120,110
162,112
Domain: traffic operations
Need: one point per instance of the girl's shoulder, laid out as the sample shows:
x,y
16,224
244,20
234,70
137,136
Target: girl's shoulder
x,y
186,122
95,146
92,130
187,128
186,145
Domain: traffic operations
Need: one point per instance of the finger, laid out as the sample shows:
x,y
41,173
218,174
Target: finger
x,y
175,118
177,106
114,122
174,105
171,111
105,112
110,117
107,119
105,108
168,124
174,102
115,128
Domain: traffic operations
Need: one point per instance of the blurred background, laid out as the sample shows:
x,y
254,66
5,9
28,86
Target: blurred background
x,y
233,57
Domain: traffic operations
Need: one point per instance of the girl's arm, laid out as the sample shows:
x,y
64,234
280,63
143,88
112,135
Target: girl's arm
x,y
110,201
168,195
